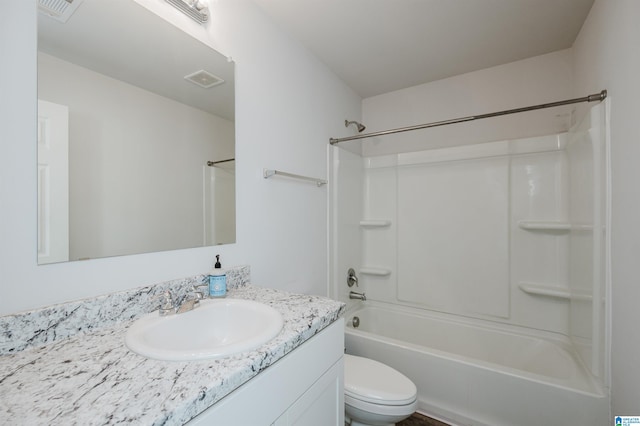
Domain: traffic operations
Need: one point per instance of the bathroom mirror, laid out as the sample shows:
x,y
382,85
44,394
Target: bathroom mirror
x,y
136,135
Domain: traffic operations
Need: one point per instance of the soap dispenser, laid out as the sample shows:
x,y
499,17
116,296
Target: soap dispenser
x,y
217,281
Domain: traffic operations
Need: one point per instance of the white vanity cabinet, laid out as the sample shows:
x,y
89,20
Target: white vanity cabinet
x,y
303,388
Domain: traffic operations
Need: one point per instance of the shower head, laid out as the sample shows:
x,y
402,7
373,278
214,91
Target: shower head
x,y
359,125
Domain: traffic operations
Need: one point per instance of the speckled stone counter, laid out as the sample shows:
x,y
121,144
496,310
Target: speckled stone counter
x,y
91,378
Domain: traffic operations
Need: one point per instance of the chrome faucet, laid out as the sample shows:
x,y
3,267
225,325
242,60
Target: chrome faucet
x,y
169,307
189,304
356,295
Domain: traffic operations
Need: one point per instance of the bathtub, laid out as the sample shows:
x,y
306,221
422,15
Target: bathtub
x,y
486,375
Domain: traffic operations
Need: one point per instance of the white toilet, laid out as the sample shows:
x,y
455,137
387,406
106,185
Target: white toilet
x,y
376,394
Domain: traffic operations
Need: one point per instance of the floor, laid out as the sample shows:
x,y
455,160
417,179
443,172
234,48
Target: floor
x,y
419,420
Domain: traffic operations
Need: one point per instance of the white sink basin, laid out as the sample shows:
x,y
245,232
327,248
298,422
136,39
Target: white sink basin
x,y
215,329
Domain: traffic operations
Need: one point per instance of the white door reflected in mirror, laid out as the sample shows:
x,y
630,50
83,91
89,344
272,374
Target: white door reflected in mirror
x,y
53,182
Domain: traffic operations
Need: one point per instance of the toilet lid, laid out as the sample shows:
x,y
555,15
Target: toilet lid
x,y
372,381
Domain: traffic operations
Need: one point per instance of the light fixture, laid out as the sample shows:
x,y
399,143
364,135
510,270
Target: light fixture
x,y
194,9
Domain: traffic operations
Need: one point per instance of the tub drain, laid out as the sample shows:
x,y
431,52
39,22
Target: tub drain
x,y
355,322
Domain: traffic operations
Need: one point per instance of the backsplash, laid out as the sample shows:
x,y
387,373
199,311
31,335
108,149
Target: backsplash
x,y
42,326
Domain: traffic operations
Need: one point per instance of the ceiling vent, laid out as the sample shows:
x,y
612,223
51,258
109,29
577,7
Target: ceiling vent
x,y
204,79
60,10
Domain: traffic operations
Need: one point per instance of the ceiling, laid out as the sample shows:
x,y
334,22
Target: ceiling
x,y
377,46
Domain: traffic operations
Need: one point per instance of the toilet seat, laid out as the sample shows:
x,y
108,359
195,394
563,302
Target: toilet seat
x,y
369,383
381,409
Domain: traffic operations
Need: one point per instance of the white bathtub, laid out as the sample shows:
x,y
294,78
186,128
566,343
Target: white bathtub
x,y
479,375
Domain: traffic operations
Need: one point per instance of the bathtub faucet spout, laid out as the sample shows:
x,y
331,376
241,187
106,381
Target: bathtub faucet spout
x,y
356,295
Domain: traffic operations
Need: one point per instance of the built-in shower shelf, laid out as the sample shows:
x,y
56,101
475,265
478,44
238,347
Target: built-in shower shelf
x,y
531,225
581,227
371,223
553,291
370,270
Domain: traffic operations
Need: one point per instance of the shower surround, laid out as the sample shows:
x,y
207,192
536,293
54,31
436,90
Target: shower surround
x,y
506,235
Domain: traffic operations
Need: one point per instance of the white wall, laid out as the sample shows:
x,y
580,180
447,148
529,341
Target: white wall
x,y
160,147
287,106
532,81
606,57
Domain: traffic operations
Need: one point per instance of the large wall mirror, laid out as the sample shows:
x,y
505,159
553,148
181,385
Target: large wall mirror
x,y
136,136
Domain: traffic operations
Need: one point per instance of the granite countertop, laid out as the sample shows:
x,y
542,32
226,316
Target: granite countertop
x,y
92,378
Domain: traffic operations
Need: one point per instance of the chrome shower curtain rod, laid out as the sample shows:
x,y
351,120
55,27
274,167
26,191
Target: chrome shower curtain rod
x,y
213,163
591,98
